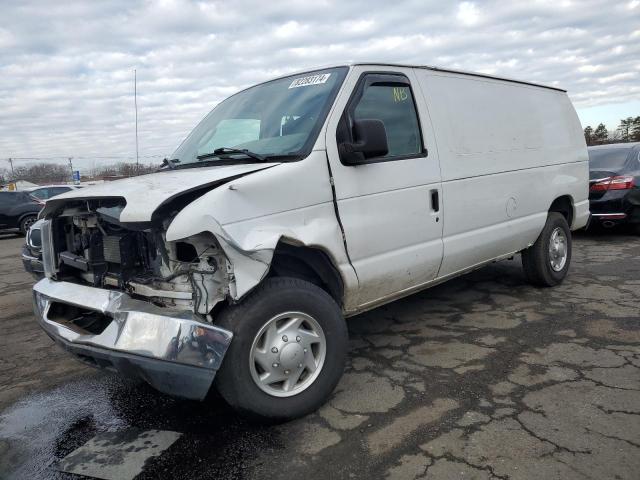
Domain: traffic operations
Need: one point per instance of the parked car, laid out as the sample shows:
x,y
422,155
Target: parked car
x,y
18,210
299,202
614,184
46,192
32,251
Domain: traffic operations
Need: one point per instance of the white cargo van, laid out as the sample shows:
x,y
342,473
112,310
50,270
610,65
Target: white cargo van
x,y
299,202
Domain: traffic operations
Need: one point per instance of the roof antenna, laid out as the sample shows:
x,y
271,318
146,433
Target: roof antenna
x,y
135,102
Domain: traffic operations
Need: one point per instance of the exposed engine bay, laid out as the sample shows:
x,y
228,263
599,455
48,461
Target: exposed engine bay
x,y
91,246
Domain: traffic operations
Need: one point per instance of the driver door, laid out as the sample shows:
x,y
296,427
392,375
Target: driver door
x,y
390,207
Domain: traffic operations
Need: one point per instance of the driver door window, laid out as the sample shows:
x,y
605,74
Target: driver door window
x,y
387,98
394,105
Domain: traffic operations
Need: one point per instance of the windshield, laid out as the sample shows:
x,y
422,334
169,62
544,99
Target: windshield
x,y
274,119
609,159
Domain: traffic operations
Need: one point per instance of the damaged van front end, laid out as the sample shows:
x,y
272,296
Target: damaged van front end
x,y
118,295
129,300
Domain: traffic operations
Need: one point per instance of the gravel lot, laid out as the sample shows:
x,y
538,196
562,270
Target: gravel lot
x,y
481,377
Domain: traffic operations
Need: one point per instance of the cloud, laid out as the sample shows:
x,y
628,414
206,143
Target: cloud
x,y
468,13
66,68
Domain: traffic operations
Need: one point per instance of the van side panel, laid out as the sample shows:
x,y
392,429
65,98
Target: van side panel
x,y
484,225
489,126
506,151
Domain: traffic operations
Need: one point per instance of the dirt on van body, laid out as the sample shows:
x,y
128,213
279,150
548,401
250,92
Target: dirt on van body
x,y
481,377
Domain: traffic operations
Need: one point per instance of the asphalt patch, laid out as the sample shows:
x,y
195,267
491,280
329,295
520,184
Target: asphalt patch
x,y
117,455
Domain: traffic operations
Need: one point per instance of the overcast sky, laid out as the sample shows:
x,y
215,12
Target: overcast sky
x,y
66,68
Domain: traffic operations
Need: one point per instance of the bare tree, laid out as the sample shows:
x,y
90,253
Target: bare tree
x,y
124,170
4,176
43,173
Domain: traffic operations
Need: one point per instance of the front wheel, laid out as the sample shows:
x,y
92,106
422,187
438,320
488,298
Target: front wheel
x,y
288,350
546,262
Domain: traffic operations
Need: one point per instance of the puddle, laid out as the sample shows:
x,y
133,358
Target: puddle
x,y
40,430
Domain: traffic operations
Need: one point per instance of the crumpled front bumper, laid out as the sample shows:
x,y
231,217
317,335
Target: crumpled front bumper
x,y
173,351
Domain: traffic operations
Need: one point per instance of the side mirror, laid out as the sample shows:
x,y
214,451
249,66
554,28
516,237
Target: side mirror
x,y
370,141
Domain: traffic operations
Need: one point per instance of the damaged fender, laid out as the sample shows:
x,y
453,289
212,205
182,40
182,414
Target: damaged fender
x,y
250,259
248,220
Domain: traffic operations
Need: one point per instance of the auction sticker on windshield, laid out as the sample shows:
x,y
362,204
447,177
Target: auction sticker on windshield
x,y
310,80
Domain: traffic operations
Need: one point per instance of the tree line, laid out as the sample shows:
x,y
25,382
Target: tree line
x,y
49,173
628,131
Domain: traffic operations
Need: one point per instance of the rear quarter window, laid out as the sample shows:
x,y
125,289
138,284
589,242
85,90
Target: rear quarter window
x,y
608,158
57,191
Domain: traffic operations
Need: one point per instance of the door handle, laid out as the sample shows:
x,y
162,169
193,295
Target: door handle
x,y
435,200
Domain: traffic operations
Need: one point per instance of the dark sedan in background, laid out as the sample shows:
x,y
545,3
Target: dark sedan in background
x,y
614,184
31,250
18,210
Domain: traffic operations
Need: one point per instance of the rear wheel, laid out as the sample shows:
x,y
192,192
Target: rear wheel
x,y
546,262
288,351
26,222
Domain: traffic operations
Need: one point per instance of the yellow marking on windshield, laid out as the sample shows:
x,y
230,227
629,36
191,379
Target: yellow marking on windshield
x,y
400,94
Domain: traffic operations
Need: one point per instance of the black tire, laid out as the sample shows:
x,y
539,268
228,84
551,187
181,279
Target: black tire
x,y
26,223
276,296
536,261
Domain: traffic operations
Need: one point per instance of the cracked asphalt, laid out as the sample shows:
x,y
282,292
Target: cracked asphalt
x,y
481,377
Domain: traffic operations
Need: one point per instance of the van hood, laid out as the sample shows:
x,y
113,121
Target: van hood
x,y
146,193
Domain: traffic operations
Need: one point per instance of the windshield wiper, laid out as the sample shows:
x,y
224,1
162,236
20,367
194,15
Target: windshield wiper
x,y
224,150
170,163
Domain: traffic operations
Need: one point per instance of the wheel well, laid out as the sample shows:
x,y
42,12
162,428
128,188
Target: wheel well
x,y
310,264
563,205
25,215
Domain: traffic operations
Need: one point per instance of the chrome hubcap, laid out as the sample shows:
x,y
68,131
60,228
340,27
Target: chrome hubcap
x,y
287,354
558,249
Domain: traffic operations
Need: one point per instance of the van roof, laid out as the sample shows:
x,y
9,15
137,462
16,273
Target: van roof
x,y
434,68
465,72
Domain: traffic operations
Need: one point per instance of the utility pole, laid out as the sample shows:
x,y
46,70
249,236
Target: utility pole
x,y
71,167
135,102
13,176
